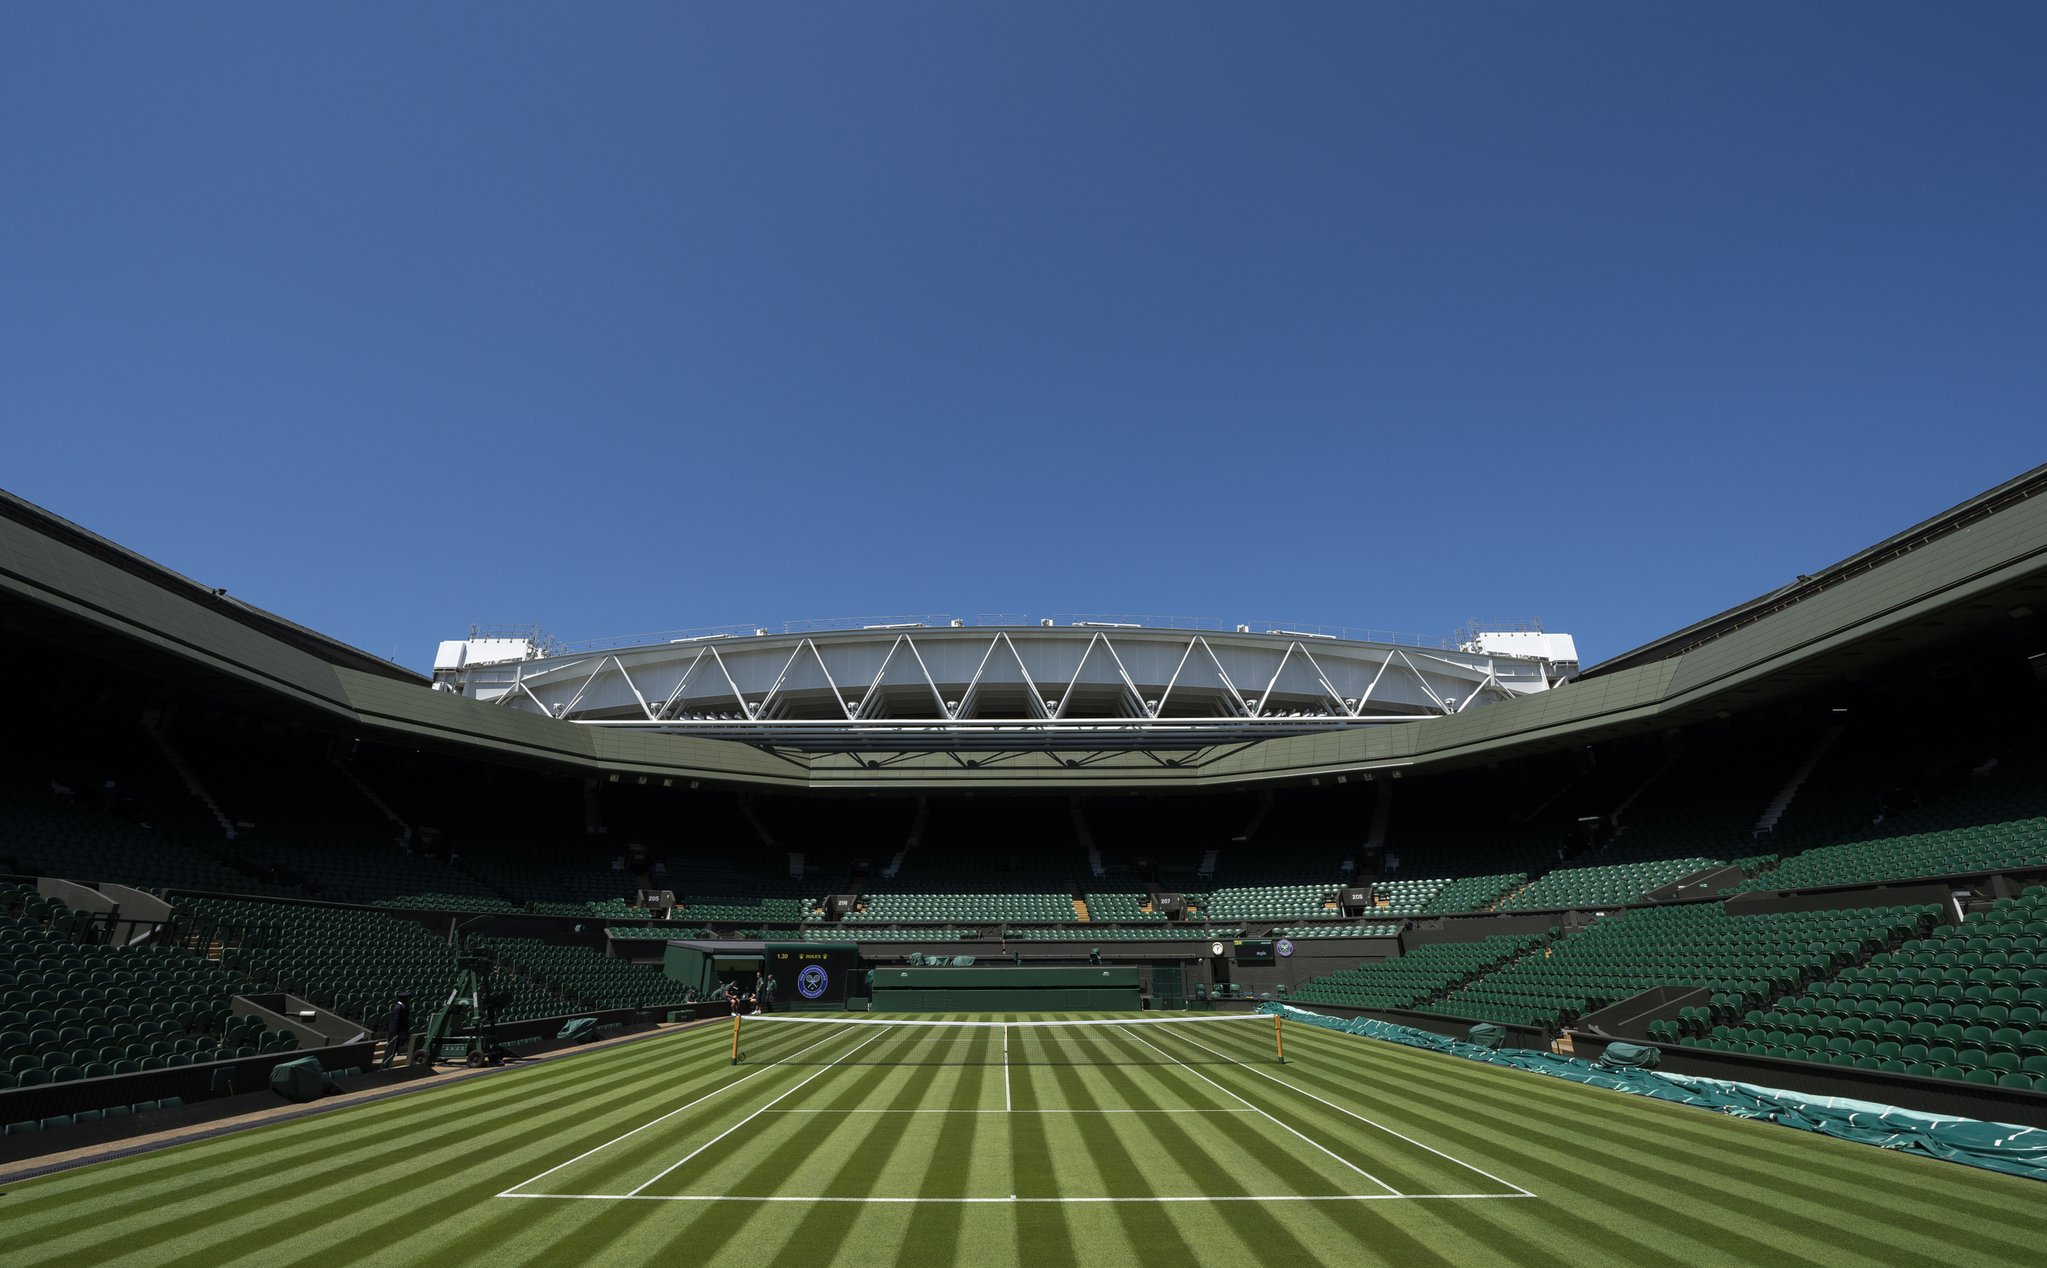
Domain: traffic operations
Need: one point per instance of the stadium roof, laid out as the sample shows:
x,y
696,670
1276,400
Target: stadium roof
x,y
1953,520
1978,571
60,531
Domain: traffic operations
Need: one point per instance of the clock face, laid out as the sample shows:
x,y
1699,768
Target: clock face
x,y
1215,948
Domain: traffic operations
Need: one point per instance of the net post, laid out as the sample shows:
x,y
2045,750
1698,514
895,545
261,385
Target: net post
x,y
735,1039
1278,1041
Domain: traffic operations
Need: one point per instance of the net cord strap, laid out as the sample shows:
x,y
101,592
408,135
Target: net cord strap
x,y
788,1020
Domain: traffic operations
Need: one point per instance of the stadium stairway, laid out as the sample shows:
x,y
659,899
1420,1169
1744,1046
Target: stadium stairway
x,y
1500,903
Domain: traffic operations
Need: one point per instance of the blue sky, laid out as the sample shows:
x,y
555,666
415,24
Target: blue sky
x,y
649,316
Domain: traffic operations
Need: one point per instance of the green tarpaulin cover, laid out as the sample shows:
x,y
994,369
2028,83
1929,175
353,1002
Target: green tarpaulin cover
x,y
300,1080
2006,1147
1628,1056
1487,1035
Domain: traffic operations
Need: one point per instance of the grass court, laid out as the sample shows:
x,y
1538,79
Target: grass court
x,y
1138,1142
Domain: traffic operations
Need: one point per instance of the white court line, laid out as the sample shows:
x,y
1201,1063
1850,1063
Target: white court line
x,y
1191,1109
1381,1126
1005,1068
510,1193
1311,1140
1016,1201
757,1113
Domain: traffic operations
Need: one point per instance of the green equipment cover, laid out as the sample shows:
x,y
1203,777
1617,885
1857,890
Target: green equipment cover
x,y
300,1080
1487,1035
579,1029
1629,1056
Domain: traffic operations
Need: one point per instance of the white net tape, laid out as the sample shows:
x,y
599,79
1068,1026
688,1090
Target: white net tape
x,y
1077,1023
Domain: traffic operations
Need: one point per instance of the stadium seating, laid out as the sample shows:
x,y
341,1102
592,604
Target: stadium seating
x,y
556,879
1136,933
580,976
1406,897
71,1009
921,933
653,933
1338,930
45,832
379,871
1122,906
1019,888
2018,845
1414,980
892,907
1961,1000
1843,829
1744,960
718,890
1271,902
1473,893
349,960
1610,885
1706,797
1456,827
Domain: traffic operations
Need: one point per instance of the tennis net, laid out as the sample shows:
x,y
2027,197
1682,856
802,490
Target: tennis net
x,y
1217,1039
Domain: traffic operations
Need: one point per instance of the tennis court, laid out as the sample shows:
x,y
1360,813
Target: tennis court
x,y
1132,1143
1031,1112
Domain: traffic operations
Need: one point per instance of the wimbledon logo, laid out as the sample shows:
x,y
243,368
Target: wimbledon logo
x,y
811,982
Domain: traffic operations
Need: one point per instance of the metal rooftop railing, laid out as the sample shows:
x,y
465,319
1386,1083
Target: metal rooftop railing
x,y
984,620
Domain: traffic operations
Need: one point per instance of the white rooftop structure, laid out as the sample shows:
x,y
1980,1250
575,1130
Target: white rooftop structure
x,y
939,682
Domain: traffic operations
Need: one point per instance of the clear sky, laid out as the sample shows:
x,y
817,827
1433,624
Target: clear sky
x,y
635,317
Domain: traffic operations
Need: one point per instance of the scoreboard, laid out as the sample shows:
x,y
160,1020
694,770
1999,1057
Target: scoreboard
x,y
1254,951
811,974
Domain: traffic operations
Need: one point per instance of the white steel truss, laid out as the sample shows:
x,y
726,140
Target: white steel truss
x,y
1023,688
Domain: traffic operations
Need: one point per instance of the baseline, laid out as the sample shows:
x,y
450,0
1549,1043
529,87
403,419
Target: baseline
x,y
1079,1200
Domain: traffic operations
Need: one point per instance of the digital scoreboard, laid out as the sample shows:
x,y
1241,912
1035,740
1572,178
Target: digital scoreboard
x,y
811,975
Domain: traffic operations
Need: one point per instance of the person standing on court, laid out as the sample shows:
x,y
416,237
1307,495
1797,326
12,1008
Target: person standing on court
x,y
397,1027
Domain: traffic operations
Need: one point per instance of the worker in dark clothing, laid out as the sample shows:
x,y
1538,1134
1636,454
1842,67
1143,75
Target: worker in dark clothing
x,y
397,1027
767,995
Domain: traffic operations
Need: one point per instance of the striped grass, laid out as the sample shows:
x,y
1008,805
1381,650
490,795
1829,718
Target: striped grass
x,y
1133,1144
